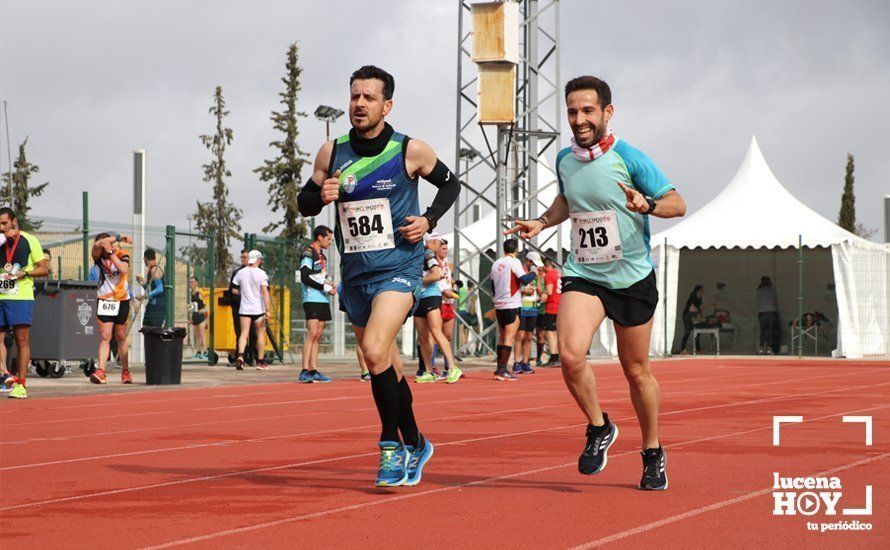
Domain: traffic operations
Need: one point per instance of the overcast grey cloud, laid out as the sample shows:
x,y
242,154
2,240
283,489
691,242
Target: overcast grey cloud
x,y
90,81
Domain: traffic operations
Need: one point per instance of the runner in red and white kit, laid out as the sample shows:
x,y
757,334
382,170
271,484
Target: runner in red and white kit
x,y
446,284
507,278
553,290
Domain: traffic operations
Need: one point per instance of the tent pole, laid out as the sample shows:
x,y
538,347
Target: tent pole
x,y
799,297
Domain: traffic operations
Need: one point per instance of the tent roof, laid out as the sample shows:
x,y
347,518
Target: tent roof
x,y
754,211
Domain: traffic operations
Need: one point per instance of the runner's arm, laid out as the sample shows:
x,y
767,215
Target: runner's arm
x,y
267,299
432,276
309,200
41,269
555,215
306,278
421,160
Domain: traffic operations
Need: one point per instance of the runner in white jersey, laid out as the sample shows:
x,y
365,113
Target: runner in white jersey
x,y
252,284
609,189
507,278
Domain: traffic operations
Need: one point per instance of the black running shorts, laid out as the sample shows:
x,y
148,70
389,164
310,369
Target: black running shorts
x,y
627,307
506,316
317,310
123,314
428,304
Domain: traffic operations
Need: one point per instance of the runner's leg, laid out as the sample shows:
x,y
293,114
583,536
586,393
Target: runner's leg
x,y
580,317
633,352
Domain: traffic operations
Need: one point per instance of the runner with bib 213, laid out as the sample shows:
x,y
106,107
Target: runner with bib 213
x,y
608,189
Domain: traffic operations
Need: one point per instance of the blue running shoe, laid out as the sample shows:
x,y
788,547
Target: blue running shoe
x,y
319,378
517,368
393,471
527,368
305,377
417,458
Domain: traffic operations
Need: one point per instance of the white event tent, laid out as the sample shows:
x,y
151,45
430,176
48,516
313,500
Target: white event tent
x,y
755,214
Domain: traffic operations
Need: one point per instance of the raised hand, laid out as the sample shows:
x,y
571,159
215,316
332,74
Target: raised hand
x,y
526,229
330,188
636,202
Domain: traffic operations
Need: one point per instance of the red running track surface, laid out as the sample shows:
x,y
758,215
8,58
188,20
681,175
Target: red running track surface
x,y
288,465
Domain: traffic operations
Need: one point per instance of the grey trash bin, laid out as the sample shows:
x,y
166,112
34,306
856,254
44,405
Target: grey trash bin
x,y
163,354
64,326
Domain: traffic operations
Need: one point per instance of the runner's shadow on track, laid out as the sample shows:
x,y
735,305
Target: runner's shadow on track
x,y
353,479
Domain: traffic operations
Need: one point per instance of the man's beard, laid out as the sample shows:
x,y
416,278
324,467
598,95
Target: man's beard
x,y
599,132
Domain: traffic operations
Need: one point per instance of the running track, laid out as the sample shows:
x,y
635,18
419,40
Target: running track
x,y
288,465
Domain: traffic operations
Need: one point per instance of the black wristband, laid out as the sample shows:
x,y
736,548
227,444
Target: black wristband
x,y
652,205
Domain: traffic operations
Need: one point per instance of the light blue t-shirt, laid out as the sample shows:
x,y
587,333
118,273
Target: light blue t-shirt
x,y
591,187
316,261
432,289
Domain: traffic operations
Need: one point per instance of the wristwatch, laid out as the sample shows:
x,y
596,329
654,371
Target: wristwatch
x,y
543,220
652,205
431,221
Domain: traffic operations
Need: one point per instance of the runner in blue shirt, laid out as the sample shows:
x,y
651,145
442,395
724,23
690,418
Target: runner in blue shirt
x,y
608,189
371,176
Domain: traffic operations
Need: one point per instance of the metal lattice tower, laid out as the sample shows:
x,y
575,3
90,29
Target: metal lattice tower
x,y
505,180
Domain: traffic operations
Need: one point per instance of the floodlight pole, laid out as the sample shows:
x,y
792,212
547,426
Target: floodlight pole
x,y
329,115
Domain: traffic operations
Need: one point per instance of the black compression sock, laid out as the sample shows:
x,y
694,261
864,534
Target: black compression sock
x,y
504,355
407,424
421,365
554,357
385,387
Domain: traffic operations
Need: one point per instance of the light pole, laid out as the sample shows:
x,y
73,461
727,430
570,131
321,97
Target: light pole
x,y
328,115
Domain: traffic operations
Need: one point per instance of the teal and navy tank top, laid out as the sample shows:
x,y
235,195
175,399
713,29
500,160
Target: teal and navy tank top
x,y
366,185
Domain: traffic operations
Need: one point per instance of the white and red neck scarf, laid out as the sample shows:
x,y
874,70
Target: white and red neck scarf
x,y
587,154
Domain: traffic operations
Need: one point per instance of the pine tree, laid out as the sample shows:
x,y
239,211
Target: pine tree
x,y
22,191
846,218
282,172
217,217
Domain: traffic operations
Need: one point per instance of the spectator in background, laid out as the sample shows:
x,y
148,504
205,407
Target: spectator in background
x,y
553,294
153,283
49,263
235,303
508,276
768,316
23,260
528,317
317,291
691,312
113,265
198,318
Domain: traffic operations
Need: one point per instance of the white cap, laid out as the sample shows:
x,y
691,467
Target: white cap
x,y
535,258
427,237
254,256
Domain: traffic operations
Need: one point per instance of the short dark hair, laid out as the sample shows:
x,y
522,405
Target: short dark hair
x,y
603,92
511,246
245,251
47,252
370,71
101,236
548,260
8,211
150,254
321,231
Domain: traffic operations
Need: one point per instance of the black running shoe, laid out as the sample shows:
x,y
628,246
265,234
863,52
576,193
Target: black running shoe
x,y
654,474
599,439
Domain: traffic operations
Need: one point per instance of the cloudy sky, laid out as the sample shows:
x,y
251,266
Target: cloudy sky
x,y
90,81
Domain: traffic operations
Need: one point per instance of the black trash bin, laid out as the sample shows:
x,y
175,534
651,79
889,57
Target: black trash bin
x,y
163,354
